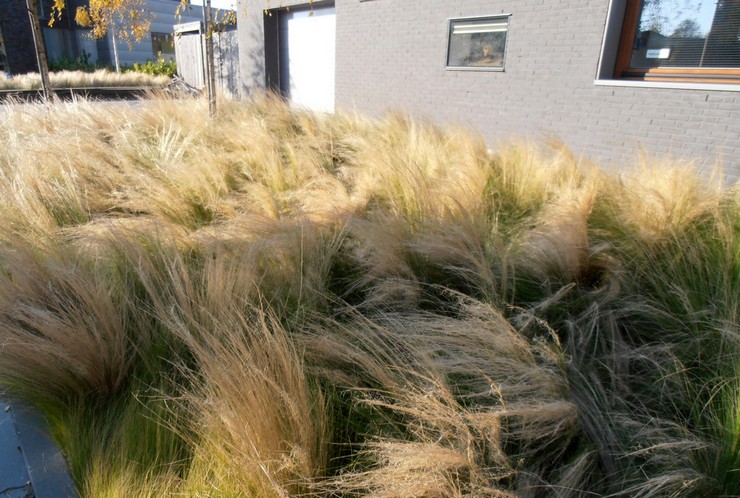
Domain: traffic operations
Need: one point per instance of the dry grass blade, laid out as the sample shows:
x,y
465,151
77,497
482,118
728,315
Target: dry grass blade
x,y
254,408
62,334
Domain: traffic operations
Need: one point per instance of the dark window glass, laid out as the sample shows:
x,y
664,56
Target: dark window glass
x,y
3,58
477,43
687,34
163,44
44,9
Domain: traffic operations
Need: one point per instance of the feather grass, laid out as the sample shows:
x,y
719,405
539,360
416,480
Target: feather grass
x,y
277,303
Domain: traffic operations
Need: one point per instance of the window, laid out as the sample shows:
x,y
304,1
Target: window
x,y
477,43
680,40
3,58
163,46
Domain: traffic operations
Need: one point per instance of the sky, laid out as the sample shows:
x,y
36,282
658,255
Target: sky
x,y
673,12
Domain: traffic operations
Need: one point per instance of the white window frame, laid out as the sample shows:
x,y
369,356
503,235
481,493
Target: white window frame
x,y
495,18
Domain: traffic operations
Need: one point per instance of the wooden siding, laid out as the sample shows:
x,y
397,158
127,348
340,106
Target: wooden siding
x,y
190,53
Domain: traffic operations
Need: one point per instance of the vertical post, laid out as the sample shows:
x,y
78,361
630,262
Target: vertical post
x,y
210,69
706,39
202,50
211,59
115,44
38,41
204,35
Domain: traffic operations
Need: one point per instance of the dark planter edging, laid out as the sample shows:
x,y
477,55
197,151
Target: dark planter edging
x,y
33,465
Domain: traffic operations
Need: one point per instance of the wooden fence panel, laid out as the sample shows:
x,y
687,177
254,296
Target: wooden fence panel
x,y
190,55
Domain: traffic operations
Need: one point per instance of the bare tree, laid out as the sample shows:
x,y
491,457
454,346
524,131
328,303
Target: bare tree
x,y
688,28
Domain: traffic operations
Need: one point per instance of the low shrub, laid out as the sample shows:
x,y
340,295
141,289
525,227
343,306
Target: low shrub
x,y
81,63
160,67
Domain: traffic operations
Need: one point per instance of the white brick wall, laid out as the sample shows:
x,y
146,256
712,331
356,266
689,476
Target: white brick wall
x,y
391,55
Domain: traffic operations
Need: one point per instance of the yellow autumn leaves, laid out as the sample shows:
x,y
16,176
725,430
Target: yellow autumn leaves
x,y
128,18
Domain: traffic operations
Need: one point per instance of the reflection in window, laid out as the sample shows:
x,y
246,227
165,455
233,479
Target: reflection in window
x,y
477,43
687,33
3,57
163,46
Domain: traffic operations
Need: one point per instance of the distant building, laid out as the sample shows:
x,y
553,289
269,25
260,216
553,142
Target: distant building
x,y
4,66
68,40
17,54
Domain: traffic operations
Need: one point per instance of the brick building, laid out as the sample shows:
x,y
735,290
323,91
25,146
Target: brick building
x,y
17,54
608,77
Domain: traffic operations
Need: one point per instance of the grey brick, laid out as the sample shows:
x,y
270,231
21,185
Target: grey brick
x,y
390,54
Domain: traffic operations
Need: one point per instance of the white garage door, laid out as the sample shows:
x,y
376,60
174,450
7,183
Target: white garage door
x,y
307,41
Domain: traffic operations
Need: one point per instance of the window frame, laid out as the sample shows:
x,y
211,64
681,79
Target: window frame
x,y
623,71
493,17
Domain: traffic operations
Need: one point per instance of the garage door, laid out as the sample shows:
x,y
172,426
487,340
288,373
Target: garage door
x,y
307,47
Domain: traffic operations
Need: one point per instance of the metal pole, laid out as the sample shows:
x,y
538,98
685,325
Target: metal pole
x,y
38,42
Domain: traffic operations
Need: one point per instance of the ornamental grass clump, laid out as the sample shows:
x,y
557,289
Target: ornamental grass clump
x,y
83,79
278,303
446,401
